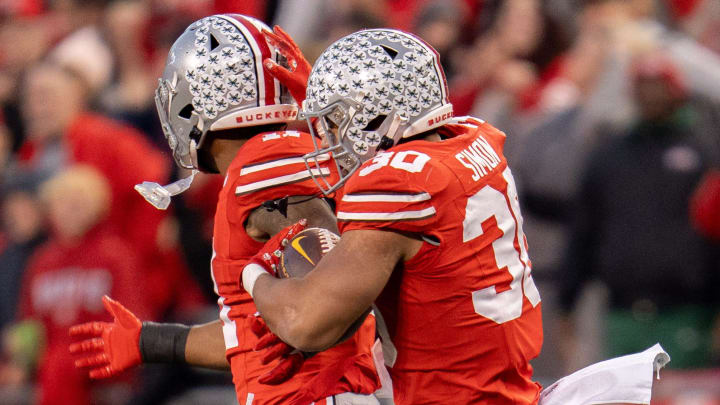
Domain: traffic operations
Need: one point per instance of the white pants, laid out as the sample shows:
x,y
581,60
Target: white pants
x,y
349,398
385,393
626,379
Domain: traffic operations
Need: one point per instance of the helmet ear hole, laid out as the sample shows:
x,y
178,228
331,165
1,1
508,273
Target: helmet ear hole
x,y
195,135
391,52
375,123
213,42
186,112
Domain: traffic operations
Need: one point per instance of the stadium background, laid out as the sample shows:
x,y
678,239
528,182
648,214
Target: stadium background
x,y
559,76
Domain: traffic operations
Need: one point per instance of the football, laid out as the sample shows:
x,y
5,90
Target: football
x,y
303,253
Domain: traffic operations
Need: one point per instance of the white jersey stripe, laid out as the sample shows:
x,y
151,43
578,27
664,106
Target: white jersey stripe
x,y
290,178
386,216
278,163
386,197
229,328
212,272
465,121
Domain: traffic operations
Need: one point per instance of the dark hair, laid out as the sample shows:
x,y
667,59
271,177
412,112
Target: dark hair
x,y
555,40
93,3
587,3
555,37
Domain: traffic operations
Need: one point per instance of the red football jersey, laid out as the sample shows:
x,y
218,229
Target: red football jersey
x,y
63,286
464,313
267,167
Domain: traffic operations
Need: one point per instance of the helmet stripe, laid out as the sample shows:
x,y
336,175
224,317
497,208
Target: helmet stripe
x,y
259,74
261,26
266,82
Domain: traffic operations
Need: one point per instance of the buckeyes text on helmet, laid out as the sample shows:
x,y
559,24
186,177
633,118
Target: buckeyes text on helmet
x,y
214,80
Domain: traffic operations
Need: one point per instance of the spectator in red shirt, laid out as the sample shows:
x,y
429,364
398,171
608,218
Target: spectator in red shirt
x,y
67,276
61,131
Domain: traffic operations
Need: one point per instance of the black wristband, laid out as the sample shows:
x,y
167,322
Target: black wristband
x,y
163,342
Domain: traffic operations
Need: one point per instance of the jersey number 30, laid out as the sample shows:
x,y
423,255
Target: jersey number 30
x,y
506,305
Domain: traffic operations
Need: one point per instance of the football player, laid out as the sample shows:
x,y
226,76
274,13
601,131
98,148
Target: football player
x,y
221,113
431,231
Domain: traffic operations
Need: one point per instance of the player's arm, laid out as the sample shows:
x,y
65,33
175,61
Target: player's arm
x,y
263,223
109,348
313,312
205,346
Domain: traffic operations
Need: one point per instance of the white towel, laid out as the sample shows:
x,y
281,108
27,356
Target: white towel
x,y
626,379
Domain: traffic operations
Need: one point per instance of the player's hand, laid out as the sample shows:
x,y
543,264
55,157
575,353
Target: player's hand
x,y
295,78
290,359
108,348
269,256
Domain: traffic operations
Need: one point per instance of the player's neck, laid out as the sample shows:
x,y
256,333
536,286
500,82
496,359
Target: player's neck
x,y
433,137
428,137
224,152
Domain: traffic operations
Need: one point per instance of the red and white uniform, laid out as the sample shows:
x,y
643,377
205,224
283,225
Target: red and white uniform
x,y
267,167
463,313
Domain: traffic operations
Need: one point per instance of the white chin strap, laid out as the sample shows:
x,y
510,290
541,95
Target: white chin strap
x,y
159,196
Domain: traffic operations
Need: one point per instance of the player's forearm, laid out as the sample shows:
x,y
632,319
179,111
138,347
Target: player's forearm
x,y
205,346
293,312
313,312
199,346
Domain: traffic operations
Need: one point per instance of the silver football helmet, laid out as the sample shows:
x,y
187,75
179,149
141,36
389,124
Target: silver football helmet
x,y
368,91
214,80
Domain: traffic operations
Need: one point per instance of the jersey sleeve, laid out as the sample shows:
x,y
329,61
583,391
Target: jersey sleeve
x,y
389,197
272,167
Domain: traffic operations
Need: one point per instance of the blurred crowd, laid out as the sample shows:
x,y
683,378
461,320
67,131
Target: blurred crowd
x,y
611,107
